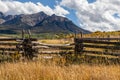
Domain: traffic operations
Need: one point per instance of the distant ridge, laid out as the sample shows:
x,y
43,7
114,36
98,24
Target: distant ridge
x,y
37,23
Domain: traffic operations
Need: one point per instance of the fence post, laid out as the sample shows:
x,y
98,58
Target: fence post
x,y
75,34
81,34
78,44
23,32
29,33
29,51
108,37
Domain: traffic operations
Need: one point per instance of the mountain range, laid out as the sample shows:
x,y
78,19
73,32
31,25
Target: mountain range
x,y
37,23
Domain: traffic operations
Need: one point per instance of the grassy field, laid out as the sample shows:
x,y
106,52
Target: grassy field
x,y
89,68
43,71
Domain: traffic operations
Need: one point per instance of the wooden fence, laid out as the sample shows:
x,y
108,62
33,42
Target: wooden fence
x,y
107,46
10,46
29,47
53,48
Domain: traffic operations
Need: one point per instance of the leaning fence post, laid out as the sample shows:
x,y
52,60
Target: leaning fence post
x,y
108,37
23,32
75,34
81,34
29,33
75,51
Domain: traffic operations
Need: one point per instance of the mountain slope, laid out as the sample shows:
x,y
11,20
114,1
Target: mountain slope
x,y
37,23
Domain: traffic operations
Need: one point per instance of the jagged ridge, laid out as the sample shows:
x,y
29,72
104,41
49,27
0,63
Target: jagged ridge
x,y
38,23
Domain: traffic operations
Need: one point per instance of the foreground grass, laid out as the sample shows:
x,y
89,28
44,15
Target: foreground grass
x,y
42,71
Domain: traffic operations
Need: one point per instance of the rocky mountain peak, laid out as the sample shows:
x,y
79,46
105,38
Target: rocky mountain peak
x,y
39,22
1,15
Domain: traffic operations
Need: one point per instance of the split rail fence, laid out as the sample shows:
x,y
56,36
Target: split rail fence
x,y
29,47
107,46
10,46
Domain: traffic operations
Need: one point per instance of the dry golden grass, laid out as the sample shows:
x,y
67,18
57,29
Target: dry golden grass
x,y
40,71
55,41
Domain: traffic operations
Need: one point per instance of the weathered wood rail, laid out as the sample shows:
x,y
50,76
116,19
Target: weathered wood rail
x,y
53,48
107,46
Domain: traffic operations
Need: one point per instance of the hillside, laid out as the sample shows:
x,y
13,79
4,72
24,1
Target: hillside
x,y
37,23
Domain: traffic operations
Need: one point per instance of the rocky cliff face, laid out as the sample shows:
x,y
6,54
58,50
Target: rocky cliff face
x,y
38,23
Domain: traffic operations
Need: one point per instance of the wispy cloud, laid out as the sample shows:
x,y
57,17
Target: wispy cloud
x,y
97,15
15,7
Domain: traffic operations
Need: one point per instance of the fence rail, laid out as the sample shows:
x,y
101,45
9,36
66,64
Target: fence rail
x,y
103,47
97,41
15,39
107,46
99,52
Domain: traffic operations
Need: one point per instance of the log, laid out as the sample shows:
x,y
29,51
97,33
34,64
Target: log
x,y
97,38
7,43
103,47
15,39
100,42
99,52
9,49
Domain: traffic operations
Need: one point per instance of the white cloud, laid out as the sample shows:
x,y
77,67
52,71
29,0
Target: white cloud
x,y
60,11
15,7
96,16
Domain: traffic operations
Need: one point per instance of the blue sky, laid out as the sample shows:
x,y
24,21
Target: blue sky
x,y
51,3
93,15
